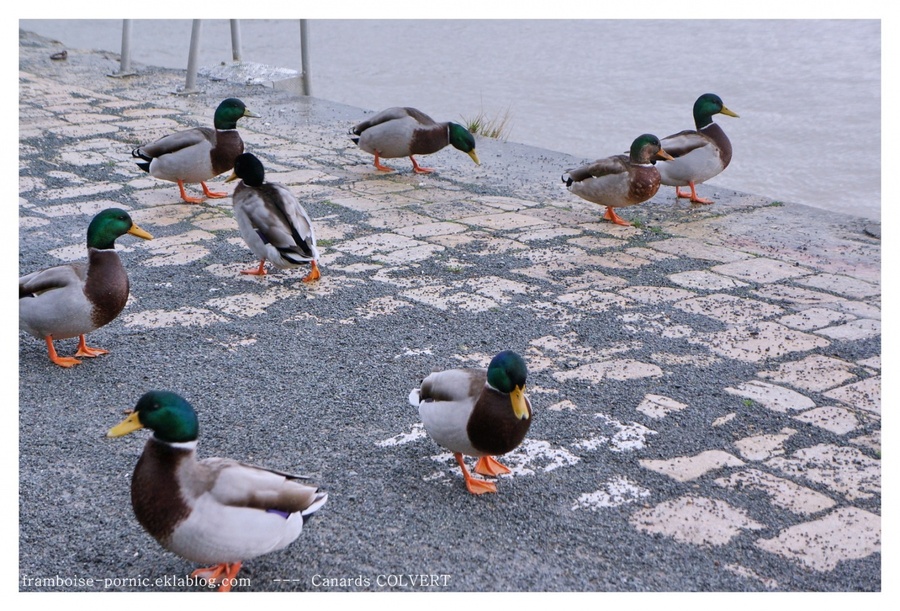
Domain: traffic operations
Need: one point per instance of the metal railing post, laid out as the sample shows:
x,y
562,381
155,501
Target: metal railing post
x,y
190,85
235,40
125,55
304,58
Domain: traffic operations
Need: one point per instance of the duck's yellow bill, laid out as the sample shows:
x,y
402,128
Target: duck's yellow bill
x,y
725,111
131,424
520,408
473,156
662,153
232,177
137,231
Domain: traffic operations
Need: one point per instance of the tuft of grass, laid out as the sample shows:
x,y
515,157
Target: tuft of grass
x,y
496,127
747,402
775,204
326,242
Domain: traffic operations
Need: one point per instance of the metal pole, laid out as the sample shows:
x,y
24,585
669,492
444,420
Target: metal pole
x,y
304,58
125,57
190,85
236,40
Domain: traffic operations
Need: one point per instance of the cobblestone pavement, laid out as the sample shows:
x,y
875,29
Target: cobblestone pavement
x,y
706,384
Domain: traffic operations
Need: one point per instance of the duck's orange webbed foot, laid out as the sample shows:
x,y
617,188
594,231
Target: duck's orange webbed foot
x,y
62,361
212,194
185,196
419,169
379,166
85,350
475,486
615,218
313,273
257,271
488,465
221,573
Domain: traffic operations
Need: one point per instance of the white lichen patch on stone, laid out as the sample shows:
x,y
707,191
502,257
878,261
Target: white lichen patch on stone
x,y
865,395
695,520
729,309
838,420
687,468
724,419
504,221
183,317
657,324
382,306
842,285
693,360
686,247
761,447
845,470
864,328
616,369
770,396
592,301
476,295
755,343
177,254
847,533
783,492
531,456
416,432
814,373
654,295
659,406
761,270
565,404
245,305
794,295
814,318
615,492
702,280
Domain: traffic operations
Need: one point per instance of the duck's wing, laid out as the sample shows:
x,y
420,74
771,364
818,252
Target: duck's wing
x,y
602,167
682,143
175,142
393,114
453,385
58,277
276,215
237,484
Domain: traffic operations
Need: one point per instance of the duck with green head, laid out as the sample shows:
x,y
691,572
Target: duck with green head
x,y
404,132
213,511
697,155
477,412
620,180
198,154
71,300
271,220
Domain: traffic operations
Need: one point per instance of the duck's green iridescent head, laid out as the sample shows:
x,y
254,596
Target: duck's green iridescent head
x,y
248,168
462,139
228,113
110,224
645,148
507,373
706,106
167,414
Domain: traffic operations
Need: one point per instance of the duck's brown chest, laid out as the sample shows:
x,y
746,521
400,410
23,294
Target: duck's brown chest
x,y
227,147
155,495
106,285
644,184
493,427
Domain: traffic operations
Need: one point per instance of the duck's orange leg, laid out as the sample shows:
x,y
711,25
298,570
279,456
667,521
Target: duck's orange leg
x,y
475,486
382,168
615,218
211,194
419,169
695,199
488,465
259,271
313,272
185,196
224,573
85,350
62,361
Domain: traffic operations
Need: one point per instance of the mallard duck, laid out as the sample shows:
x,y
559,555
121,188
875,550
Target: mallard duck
x,y
404,132
477,412
196,155
272,222
72,300
620,180
212,511
698,155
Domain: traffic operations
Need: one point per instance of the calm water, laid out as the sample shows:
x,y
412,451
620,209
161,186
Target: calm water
x,y
807,92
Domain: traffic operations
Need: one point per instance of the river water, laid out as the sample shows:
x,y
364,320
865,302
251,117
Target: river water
x,y
808,92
